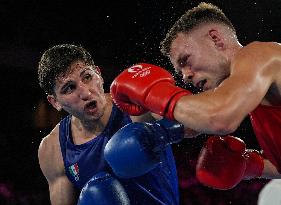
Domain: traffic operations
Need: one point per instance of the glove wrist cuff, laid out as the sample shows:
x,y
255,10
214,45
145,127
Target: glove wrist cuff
x,y
169,114
174,130
161,99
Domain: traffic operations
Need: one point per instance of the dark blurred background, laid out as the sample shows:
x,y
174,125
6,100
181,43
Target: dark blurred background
x,y
118,34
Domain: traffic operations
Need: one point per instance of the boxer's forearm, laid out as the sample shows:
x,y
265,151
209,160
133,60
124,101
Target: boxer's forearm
x,y
270,171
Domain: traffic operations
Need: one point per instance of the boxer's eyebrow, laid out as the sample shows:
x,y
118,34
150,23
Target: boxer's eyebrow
x,y
65,85
84,70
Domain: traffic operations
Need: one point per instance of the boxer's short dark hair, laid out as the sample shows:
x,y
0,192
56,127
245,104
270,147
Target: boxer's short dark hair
x,y
55,62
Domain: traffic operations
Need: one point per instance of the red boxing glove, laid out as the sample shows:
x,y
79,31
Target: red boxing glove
x,y
144,87
224,162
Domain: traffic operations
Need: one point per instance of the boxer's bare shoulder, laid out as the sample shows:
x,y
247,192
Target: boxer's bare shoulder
x,y
259,53
49,154
268,53
260,64
51,164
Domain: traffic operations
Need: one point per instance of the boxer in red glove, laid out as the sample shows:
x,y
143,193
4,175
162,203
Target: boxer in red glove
x,y
225,161
236,81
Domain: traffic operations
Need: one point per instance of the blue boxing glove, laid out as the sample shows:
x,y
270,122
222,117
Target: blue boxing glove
x,y
103,189
136,148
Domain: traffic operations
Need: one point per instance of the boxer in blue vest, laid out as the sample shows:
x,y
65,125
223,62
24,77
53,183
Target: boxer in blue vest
x,y
74,151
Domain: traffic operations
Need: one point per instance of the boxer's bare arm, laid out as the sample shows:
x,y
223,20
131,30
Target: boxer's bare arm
x,y
220,111
149,117
270,171
61,190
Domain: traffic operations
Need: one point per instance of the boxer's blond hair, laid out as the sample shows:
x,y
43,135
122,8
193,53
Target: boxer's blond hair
x,y
203,13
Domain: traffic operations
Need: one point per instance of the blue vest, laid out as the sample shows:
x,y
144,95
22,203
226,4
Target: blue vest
x,y
159,186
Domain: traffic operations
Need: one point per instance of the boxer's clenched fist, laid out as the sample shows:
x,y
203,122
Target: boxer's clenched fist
x,y
103,189
224,162
145,87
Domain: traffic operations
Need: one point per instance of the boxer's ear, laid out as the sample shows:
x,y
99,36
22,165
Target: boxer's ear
x,y
53,101
98,70
217,38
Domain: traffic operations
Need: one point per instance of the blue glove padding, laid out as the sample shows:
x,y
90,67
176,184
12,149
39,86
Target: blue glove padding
x,y
135,149
103,189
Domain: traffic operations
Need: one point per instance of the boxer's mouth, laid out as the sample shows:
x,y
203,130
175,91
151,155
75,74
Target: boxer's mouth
x,y
91,105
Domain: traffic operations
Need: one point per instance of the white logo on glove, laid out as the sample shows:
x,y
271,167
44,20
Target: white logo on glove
x,y
139,71
135,68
